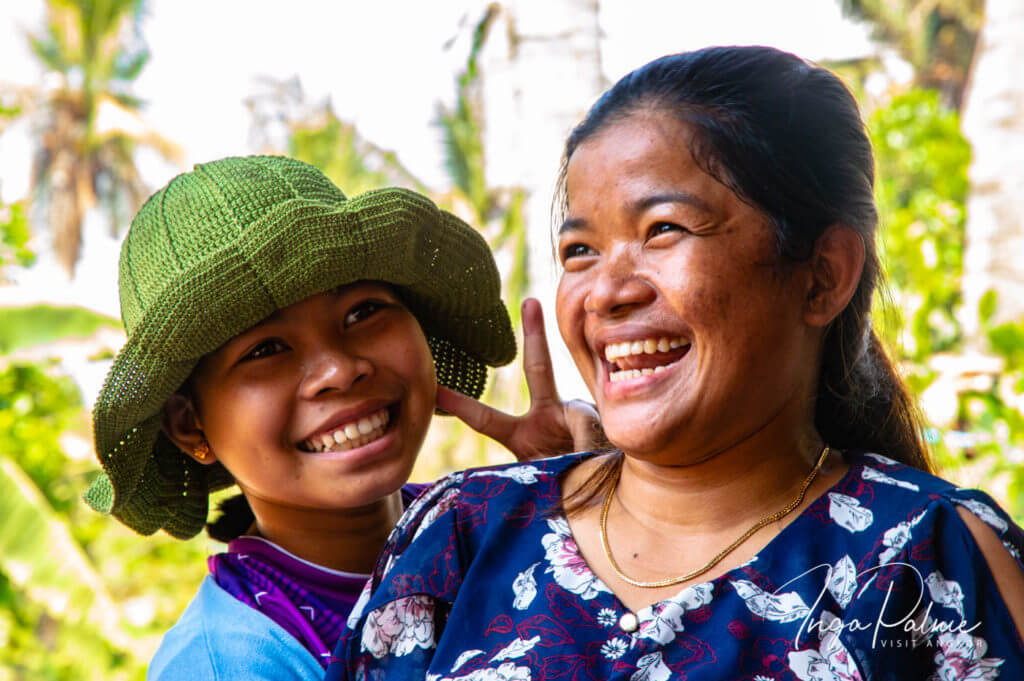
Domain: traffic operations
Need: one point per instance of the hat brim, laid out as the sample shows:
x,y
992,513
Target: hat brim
x,y
442,267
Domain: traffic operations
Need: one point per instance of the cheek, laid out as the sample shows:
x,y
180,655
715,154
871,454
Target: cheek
x,y
569,311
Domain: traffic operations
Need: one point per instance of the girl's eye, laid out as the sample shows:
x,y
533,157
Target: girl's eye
x,y
265,348
362,310
575,250
663,228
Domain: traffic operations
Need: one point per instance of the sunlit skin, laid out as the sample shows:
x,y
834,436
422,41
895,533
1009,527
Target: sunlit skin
x,y
311,365
655,247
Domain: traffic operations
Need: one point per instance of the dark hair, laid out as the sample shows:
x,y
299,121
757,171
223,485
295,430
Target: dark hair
x,y
235,518
786,137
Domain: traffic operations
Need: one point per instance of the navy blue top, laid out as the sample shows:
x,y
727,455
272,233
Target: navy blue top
x,y
878,579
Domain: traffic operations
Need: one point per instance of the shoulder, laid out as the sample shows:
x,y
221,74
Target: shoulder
x,y
219,637
500,485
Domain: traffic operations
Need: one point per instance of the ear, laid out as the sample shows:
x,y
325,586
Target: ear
x,y
181,425
835,269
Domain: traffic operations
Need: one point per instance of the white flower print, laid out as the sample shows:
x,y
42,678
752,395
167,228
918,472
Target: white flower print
x,y
666,618
400,627
661,621
652,667
1012,549
945,592
606,617
842,581
985,512
524,475
961,657
506,672
896,537
447,500
869,473
848,513
429,498
357,609
762,677
614,648
883,459
696,596
464,657
786,607
525,588
831,662
516,648
567,565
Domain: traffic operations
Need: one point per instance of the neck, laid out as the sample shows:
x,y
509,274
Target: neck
x,y
736,486
347,539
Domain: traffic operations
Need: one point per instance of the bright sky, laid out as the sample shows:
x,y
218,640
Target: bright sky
x,y
384,65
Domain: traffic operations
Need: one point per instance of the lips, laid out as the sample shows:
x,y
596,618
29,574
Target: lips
x,y
350,429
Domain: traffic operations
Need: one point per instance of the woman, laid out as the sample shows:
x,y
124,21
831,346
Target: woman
x,y
769,512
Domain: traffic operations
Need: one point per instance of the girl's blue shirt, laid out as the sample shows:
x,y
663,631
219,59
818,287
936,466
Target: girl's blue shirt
x,y
878,579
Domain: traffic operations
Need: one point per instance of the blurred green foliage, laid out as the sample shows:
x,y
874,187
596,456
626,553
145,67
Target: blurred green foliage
x,y
14,237
921,191
38,324
921,168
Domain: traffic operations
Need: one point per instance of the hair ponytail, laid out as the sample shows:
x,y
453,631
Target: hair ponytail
x,y
235,519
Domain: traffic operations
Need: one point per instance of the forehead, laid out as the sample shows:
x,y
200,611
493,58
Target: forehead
x,y
646,153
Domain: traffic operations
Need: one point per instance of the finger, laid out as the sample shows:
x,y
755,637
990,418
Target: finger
x,y
485,420
584,424
540,375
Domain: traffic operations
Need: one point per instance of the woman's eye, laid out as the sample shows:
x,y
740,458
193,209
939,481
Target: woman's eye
x,y
663,228
265,349
362,310
574,250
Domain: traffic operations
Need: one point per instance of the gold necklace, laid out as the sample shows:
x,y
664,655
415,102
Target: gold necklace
x,y
778,515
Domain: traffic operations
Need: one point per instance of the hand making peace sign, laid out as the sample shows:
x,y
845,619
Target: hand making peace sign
x,y
551,426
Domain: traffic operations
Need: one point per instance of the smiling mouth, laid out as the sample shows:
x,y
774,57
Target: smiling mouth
x,y
643,357
356,433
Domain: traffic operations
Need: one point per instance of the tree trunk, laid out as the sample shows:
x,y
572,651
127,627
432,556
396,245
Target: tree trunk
x,y
994,124
540,71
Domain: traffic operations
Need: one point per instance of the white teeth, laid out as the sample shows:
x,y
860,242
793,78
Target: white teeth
x,y
349,435
658,369
648,346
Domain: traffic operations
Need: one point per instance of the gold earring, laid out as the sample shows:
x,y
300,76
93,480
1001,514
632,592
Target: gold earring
x,y
201,450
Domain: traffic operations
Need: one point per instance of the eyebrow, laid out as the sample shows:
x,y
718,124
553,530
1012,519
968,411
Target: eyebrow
x,y
642,204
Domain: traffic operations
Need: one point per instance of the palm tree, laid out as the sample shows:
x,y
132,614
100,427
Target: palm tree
x,y
86,120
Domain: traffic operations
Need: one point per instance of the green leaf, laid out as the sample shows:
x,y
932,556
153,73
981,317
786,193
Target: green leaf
x,y
22,327
987,306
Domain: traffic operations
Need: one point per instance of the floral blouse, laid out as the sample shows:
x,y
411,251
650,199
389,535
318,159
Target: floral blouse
x,y
879,579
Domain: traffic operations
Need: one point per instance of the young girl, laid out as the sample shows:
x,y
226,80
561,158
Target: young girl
x,y
292,342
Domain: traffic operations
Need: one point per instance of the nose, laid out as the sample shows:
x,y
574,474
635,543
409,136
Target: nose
x,y
617,289
332,369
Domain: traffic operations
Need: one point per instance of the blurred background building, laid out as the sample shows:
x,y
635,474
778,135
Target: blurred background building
x,y
103,102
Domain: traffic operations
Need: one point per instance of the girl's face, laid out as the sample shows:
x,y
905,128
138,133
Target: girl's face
x,y
324,404
671,301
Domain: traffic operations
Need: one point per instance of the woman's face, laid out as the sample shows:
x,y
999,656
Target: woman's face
x,y
324,404
672,303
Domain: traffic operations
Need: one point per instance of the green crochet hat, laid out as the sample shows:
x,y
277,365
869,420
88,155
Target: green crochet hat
x,y
221,248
